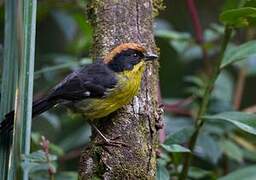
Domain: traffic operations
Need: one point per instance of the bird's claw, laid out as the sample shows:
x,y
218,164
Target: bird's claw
x,y
113,142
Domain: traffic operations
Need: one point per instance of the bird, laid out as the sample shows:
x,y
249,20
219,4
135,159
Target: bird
x,y
98,89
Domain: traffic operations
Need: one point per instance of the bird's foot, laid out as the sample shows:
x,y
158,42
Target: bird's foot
x,y
112,142
109,142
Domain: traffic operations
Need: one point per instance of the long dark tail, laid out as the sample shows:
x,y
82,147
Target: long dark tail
x,y
39,106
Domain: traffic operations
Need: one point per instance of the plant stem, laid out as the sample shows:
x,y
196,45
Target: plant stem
x,y
199,37
204,104
239,88
196,21
45,146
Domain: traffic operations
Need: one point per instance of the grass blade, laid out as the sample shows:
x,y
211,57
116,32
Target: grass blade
x,y
9,76
24,92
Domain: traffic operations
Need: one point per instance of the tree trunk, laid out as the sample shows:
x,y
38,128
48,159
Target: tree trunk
x,y
116,22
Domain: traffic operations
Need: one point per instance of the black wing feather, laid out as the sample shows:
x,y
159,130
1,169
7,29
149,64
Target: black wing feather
x,y
91,81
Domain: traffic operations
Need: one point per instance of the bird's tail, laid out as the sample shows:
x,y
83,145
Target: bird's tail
x,y
39,106
42,105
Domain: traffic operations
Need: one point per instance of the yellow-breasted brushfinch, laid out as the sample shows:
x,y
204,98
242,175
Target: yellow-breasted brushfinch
x,y
98,89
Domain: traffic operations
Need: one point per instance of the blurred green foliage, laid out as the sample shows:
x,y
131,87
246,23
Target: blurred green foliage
x,y
63,41
221,146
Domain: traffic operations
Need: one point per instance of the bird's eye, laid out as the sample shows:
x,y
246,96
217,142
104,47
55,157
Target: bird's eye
x,y
135,55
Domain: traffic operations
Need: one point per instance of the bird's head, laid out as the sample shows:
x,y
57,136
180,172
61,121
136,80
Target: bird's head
x,y
128,57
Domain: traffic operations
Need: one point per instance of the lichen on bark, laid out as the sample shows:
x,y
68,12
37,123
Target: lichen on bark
x,y
158,5
115,22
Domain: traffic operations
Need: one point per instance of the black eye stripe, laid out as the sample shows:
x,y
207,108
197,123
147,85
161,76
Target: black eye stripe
x,y
131,52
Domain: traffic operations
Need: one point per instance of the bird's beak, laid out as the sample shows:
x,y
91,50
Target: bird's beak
x,y
150,57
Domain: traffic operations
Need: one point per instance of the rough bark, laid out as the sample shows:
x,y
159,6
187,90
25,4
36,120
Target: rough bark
x,y
116,22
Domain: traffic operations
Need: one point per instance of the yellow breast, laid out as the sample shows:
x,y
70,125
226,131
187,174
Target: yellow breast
x,y
127,87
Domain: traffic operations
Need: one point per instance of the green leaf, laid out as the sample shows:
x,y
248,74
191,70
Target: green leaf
x,y
66,24
67,175
56,149
39,156
35,167
195,80
208,148
224,83
249,3
222,102
78,138
238,18
9,73
250,66
244,121
175,148
63,175
239,53
247,173
249,155
83,40
198,173
173,35
231,150
179,137
37,161
213,33
230,4
161,172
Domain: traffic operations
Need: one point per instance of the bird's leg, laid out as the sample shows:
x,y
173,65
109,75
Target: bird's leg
x,y
110,142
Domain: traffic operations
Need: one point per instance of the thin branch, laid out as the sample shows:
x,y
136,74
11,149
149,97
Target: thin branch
x,y
177,109
45,146
196,21
225,165
251,109
182,102
199,36
239,88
